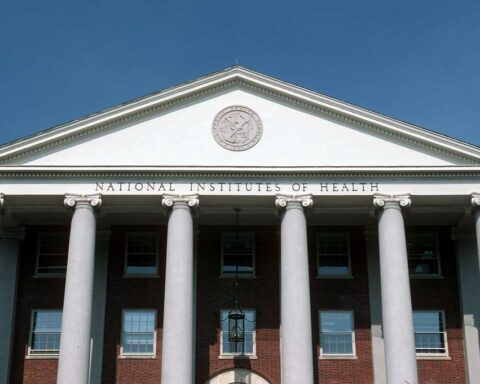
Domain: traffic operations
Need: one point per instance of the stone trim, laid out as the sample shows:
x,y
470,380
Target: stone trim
x,y
168,201
476,200
380,201
71,200
282,201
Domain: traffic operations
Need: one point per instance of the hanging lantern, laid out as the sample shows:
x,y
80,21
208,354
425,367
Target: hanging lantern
x,y
236,325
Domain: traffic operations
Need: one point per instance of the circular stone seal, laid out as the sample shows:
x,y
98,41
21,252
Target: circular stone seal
x,y
237,128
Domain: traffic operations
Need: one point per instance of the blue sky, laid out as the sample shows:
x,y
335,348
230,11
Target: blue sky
x,y
417,61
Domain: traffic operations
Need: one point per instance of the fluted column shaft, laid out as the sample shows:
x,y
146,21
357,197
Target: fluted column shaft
x,y
295,312
177,346
400,357
74,358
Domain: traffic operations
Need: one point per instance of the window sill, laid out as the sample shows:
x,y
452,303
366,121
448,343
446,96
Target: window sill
x,y
240,276
433,357
320,277
42,357
49,275
150,276
237,357
425,276
137,357
338,357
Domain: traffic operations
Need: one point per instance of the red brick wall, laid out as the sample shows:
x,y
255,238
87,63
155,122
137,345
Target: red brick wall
x,y
442,294
131,293
33,293
215,293
343,294
261,294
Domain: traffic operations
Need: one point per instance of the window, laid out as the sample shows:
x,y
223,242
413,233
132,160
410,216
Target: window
x,y
241,254
333,254
142,254
422,254
245,348
430,335
337,336
138,332
52,253
45,332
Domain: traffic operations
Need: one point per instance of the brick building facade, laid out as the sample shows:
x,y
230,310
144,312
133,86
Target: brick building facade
x,y
353,265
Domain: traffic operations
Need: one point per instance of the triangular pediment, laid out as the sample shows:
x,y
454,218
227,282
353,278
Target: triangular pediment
x,y
299,128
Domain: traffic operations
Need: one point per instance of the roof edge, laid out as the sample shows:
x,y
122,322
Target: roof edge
x,y
61,133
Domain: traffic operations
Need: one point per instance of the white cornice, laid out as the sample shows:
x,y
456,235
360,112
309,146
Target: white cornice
x,y
240,76
50,172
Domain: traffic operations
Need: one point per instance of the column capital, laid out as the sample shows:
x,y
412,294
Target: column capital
x,y
168,201
281,201
475,200
71,200
382,201
2,200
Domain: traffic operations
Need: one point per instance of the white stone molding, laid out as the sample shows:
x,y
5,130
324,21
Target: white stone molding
x,y
281,201
168,201
73,199
476,200
379,200
243,376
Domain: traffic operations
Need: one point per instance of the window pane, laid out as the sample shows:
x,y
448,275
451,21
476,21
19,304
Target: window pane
x,y
336,321
336,332
52,253
138,332
333,254
422,254
337,343
237,253
429,332
46,331
248,346
142,254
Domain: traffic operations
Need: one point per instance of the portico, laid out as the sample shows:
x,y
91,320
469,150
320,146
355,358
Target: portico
x,y
340,261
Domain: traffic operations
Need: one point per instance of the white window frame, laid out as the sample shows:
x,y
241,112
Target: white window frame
x,y
125,263
346,275
253,354
346,356
31,353
434,355
37,260
240,275
138,354
439,264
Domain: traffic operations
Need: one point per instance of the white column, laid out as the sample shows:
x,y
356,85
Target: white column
x,y
177,346
476,210
295,312
10,239
375,297
400,358
74,358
